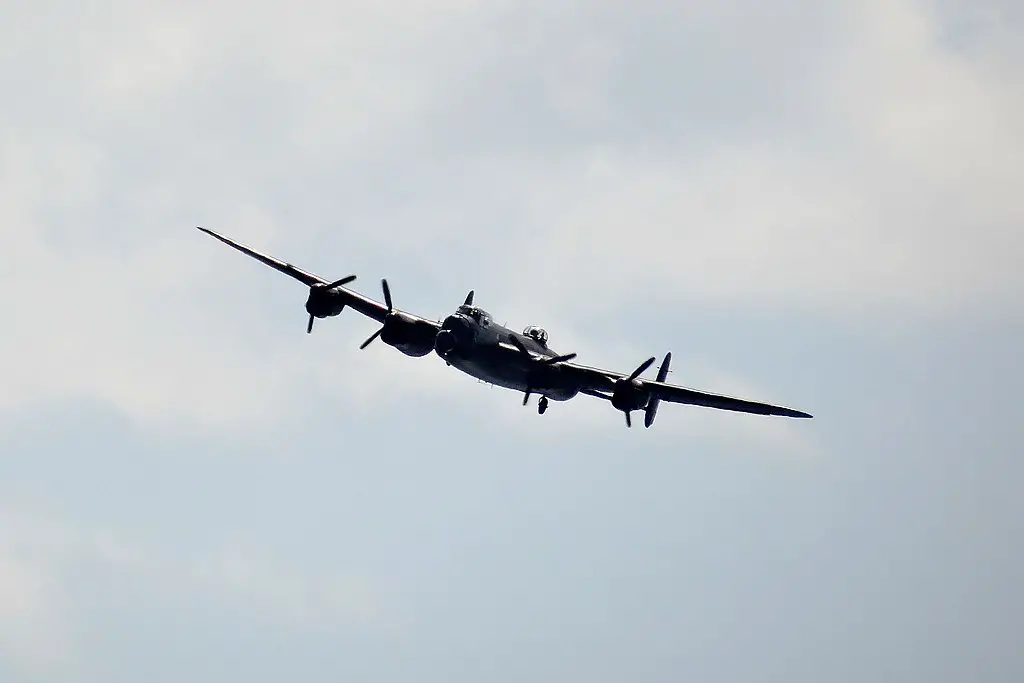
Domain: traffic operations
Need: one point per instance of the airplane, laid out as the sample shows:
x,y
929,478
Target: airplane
x,y
472,342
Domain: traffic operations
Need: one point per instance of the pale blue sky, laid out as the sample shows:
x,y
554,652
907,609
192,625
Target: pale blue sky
x,y
811,204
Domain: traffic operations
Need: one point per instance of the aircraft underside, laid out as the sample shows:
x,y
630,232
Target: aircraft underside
x,y
500,372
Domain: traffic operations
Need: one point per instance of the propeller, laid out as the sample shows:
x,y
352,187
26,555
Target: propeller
x,y
387,300
632,378
469,299
315,291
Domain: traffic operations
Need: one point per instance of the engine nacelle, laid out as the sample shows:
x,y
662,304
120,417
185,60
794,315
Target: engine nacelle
x,y
630,395
557,392
553,381
323,302
445,343
411,337
457,338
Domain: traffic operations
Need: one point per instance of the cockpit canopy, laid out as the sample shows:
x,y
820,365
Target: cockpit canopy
x,y
474,313
538,334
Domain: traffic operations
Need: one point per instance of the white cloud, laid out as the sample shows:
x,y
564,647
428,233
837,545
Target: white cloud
x,y
881,180
895,194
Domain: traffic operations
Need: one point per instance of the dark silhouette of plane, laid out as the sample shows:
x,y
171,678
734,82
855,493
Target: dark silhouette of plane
x,y
471,341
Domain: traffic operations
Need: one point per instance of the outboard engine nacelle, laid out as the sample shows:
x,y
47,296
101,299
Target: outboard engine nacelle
x,y
324,300
630,394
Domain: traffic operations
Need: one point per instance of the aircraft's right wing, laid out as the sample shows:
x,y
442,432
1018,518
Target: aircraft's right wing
x,y
302,276
363,304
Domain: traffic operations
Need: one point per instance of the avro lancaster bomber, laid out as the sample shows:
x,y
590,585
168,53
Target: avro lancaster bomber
x,y
472,342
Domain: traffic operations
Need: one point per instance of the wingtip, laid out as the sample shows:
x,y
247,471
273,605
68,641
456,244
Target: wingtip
x,y
790,412
218,236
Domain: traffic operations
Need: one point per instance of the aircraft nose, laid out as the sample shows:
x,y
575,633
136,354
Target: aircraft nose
x,y
458,326
456,332
444,342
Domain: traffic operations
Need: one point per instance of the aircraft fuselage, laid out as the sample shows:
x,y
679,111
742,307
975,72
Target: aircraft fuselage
x,y
470,341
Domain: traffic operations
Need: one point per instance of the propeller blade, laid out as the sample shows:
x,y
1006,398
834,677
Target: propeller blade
x,y
309,325
387,293
342,281
663,370
526,397
519,345
469,299
652,406
629,421
372,337
558,359
639,371
543,361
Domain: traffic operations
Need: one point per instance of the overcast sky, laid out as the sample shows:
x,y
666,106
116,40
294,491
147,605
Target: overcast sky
x,y
809,203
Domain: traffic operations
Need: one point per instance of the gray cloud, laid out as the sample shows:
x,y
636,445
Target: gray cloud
x,y
699,155
51,568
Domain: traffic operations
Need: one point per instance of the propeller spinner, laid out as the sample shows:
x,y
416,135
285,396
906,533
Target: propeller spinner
x,y
318,294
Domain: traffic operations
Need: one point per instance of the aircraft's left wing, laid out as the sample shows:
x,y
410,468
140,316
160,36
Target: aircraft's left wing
x,y
677,394
598,382
363,304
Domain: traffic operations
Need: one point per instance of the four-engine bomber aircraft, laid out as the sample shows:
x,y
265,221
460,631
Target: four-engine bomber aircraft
x,y
470,340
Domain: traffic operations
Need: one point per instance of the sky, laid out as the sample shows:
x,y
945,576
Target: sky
x,y
811,204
